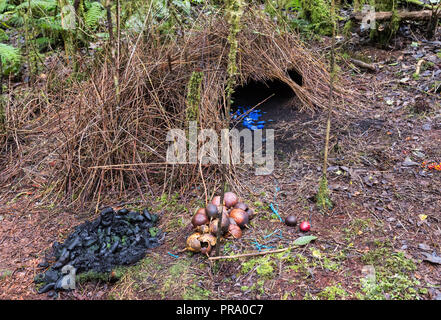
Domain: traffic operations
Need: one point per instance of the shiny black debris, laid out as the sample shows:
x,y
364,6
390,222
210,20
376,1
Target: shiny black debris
x,y
115,238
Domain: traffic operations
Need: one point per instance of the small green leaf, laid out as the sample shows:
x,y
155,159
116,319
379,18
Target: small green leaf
x,y
153,231
304,240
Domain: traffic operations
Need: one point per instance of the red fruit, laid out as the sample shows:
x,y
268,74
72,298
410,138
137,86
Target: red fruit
x,y
305,226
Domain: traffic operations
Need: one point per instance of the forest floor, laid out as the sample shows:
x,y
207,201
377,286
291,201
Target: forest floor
x,y
386,218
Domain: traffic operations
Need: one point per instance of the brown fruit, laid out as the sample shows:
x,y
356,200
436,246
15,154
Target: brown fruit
x,y
232,222
206,250
241,205
224,226
240,216
291,220
225,210
211,210
235,231
203,228
199,219
193,244
230,199
251,213
207,238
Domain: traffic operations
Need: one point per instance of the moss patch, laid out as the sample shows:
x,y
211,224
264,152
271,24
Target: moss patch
x,y
152,278
394,274
318,12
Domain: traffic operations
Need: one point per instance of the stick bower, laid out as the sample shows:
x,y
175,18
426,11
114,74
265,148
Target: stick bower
x,y
97,145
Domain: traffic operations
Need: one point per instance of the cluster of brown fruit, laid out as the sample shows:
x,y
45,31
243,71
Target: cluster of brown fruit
x,y
235,217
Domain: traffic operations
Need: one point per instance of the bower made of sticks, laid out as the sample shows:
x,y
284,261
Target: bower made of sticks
x,y
107,141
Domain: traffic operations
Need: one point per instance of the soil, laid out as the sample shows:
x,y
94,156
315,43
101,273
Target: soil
x,y
380,201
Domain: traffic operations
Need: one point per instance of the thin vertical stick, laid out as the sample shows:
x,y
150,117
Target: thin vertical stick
x,y
114,47
331,90
234,9
1,77
221,212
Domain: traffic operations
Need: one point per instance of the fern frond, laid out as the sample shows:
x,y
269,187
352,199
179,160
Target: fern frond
x,y
11,58
39,7
49,24
3,5
94,14
3,36
16,20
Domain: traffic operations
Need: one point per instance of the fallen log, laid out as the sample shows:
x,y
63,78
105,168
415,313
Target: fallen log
x,y
403,15
364,65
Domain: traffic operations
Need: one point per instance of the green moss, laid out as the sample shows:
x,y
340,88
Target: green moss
x,y
4,273
333,292
92,276
194,96
318,13
182,282
264,266
386,30
393,277
300,264
356,228
384,5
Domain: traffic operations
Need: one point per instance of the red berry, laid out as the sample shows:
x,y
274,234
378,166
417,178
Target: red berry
x,y
305,226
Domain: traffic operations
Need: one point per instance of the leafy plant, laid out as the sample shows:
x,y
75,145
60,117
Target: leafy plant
x,y
95,12
11,59
3,5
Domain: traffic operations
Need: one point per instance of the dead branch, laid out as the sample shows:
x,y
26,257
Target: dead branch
x,y
364,65
404,15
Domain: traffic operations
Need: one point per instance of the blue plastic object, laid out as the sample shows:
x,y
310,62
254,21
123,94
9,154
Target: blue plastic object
x,y
250,119
173,255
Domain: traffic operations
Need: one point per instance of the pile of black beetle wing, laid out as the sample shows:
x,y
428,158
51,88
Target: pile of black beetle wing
x,y
115,238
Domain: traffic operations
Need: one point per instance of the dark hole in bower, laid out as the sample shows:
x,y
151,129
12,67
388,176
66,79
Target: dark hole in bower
x,y
276,102
255,92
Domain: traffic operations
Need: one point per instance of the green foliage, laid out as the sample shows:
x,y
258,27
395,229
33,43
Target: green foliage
x,y
333,292
95,12
394,277
39,8
301,241
3,5
323,200
347,28
318,13
234,13
264,266
11,59
3,36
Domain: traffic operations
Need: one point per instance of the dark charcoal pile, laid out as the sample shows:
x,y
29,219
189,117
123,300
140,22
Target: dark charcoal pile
x,y
113,239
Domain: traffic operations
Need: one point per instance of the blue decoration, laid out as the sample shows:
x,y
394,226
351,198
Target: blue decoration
x,y
173,255
250,119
